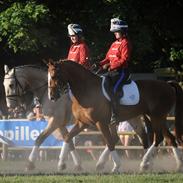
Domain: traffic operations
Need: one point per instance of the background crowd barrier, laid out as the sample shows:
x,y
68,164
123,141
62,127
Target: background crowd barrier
x,y
21,134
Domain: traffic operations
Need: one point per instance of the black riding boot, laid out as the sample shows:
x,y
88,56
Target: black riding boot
x,y
114,116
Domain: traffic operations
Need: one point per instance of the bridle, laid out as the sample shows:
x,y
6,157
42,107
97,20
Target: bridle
x,y
62,87
20,91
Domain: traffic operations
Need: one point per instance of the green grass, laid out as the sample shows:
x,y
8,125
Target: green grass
x,y
126,178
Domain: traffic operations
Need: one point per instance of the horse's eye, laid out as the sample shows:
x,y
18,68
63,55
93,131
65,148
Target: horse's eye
x,y
11,86
53,77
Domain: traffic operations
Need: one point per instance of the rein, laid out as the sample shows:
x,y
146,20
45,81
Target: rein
x,y
17,86
20,91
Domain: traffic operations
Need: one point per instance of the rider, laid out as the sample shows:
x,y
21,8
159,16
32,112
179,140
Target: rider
x,y
116,62
78,51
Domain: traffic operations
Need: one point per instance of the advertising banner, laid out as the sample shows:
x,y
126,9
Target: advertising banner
x,y
24,133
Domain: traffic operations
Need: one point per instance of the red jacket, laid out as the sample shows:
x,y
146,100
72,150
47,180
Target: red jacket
x,y
79,53
118,54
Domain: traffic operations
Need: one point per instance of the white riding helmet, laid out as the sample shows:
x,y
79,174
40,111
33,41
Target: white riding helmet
x,y
74,29
118,25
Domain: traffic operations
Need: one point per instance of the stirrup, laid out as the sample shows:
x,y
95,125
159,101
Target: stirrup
x,y
114,120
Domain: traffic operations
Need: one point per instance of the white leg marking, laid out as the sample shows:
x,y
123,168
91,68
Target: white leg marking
x,y
103,157
148,156
177,154
63,154
76,158
116,160
34,153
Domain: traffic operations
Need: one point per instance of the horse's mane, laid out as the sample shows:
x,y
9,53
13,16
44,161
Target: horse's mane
x,y
80,67
32,66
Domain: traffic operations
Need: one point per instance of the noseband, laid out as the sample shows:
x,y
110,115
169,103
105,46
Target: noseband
x,y
19,90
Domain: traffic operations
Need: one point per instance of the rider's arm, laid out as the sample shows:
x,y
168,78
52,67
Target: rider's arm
x,y
84,56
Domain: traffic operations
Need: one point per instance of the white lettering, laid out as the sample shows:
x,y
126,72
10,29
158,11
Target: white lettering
x,y
17,133
1,133
34,134
21,133
27,133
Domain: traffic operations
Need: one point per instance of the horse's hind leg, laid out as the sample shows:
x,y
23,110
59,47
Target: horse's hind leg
x,y
111,145
177,152
158,138
33,155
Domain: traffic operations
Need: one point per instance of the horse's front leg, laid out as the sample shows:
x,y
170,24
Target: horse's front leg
x,y
111,146
69,146
106,152
34,153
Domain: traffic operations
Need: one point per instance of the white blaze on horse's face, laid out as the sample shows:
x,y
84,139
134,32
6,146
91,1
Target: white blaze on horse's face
x,y
49,86
10,89
53,91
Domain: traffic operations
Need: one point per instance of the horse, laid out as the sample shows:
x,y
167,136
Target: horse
x,y
23,82
3,106
91,106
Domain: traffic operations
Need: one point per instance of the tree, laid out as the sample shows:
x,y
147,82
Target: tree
x,y
25,30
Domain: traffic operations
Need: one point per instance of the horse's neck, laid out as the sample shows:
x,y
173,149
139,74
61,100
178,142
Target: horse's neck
x,y
36,79
82,81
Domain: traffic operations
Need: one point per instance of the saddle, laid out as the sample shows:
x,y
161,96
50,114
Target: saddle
x,y
128,95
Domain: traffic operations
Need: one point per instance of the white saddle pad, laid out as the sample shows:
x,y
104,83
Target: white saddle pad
x,y
131,94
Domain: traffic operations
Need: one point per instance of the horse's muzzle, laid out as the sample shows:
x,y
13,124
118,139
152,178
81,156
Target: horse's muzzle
x,y
53,99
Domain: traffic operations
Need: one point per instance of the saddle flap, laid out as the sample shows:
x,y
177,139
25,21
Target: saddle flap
x,y
130,93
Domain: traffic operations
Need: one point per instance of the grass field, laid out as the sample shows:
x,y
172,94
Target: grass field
x,y
163,171
126,178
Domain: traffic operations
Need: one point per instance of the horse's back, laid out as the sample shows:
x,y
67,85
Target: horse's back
x,y
158,96
155,87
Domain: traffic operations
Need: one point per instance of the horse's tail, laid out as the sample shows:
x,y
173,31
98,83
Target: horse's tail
x,y
178,111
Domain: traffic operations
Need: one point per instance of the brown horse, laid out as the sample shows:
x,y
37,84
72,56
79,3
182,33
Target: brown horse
x,y
21,83
90,106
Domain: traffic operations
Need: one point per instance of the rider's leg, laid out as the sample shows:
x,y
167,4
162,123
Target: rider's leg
x,y
118,79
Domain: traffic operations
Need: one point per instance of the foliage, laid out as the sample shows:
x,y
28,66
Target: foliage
x,y
22,27
176,55
41,26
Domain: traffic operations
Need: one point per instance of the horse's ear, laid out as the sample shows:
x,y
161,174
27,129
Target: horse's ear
x,y
6,69
45,61
48,62
59,61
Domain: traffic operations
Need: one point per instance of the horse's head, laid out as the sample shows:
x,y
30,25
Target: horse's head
x,y
54,90
14,88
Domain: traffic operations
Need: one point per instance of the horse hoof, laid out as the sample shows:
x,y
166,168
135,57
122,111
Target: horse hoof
x,y
144,167
116,169
99,167
62,167
30,166
78,168
179,168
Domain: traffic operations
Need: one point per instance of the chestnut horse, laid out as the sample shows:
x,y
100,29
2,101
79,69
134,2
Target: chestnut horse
x,y
24,81
90,106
